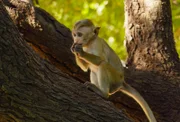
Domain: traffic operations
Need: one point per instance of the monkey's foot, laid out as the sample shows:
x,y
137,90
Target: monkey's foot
x,y
93,88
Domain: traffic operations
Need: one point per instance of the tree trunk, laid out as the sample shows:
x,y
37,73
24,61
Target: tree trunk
x,y
150,38
32,90
152,58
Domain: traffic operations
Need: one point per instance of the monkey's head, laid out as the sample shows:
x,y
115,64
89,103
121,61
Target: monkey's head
x,y
84,31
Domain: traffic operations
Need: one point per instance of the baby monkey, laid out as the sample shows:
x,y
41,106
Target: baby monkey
x,y
107,74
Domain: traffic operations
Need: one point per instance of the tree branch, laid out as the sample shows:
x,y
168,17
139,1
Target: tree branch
x,y
32,90
52,41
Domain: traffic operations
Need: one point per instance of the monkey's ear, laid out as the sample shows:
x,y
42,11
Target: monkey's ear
x,y
96,30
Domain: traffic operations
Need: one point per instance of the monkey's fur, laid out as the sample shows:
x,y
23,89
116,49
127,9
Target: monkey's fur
x,y
107,73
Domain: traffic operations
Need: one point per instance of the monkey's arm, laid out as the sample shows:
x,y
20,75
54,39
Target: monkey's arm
x,y
82,64
92,59
89,58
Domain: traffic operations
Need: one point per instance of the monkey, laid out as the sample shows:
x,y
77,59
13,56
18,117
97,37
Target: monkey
x,y
106,70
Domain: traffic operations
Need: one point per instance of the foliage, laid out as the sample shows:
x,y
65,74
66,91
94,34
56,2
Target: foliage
x,y
175,5
109,14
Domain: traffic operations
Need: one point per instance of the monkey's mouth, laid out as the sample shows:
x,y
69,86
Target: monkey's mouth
x,y
75,46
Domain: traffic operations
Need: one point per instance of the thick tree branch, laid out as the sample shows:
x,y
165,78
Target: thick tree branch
x,y
53,40
32,90
46,35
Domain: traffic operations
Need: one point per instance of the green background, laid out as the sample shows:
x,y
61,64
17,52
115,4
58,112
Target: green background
x,y
108,14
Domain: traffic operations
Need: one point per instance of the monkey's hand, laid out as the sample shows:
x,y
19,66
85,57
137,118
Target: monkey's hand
x,y
93,88
72,48
78,49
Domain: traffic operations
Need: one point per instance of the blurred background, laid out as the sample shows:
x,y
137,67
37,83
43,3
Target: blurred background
x,y
108,14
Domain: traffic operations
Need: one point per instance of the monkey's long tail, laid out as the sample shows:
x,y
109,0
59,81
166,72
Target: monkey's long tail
x,y
130,91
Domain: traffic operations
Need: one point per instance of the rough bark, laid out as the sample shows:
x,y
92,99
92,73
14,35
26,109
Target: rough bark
x,y
152,58
149,36
52,41
32,90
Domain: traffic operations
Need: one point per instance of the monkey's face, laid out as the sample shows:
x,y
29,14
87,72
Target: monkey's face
x,y
82,36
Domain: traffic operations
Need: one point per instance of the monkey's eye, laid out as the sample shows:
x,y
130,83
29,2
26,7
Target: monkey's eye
x,y
74,34
79,34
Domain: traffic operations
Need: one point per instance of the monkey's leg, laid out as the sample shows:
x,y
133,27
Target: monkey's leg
x,y
95,89
130,91
109,79
94,86
103,76
93,78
